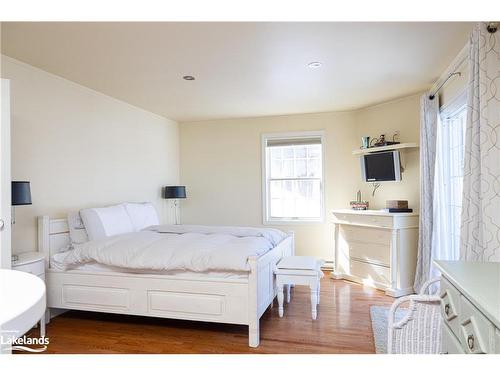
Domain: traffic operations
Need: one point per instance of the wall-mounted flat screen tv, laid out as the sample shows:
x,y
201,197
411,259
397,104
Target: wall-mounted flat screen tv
x,y
381,166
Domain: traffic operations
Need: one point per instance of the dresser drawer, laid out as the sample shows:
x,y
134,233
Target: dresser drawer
x,y
367,235
367,220
35,268
372,253
476,331
450,344
370,272
450,306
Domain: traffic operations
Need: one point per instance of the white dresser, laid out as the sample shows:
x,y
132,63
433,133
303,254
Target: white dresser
x,y
470,307
376,248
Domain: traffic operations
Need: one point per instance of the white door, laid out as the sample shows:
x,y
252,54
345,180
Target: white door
x,y
5,198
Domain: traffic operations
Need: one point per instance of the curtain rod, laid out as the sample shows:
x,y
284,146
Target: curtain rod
x,y
492,28
432,96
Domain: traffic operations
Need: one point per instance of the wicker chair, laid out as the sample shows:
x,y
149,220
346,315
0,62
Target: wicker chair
x,y
419,331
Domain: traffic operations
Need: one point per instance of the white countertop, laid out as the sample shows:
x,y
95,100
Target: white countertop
x,y
373,212
22,301
478,281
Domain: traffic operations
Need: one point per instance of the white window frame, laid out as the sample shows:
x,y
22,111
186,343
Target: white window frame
x,y
266,219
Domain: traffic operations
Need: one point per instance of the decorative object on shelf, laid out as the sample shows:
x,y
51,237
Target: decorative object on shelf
x,y
381,141
396,203
358,204
21,196
365,142
175,193
395,206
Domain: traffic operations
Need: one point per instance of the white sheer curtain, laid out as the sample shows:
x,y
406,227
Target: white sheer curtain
x,y
441,241
448,181
480,235
429,112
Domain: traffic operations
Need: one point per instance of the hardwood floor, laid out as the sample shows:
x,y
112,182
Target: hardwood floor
x,y
343,326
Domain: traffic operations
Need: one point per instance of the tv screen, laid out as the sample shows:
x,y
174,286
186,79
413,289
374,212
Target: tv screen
x,y
381,166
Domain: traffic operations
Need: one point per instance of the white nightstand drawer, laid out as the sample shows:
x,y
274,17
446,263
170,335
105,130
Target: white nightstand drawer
x,y
450,306
476,330
35,268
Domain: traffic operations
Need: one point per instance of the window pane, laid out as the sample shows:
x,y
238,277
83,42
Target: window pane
x,y
314,168
276,152
288,152
294,199
300,168
276,168
287,168
300,151
314,151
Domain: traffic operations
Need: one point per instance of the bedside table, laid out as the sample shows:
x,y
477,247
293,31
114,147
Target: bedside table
x,y
34,263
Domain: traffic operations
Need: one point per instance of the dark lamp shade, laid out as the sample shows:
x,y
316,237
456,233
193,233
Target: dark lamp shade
x,y
21,193
174,192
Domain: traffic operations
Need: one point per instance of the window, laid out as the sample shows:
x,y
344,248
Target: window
x,y
449,179
293,177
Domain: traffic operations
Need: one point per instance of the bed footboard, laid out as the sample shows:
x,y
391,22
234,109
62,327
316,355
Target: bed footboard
x,y
262,285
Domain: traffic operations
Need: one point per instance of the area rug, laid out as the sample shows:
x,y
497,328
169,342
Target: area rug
x,y
380,316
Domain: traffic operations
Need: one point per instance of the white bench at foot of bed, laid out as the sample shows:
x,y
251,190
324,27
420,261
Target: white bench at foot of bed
x,y
200,298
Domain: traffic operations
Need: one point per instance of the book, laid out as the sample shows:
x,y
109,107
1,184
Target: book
x,y
395,210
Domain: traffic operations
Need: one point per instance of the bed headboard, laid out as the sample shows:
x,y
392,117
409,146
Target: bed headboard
x,y
53,236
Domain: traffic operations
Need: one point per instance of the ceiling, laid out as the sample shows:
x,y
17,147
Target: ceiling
x,y
241,69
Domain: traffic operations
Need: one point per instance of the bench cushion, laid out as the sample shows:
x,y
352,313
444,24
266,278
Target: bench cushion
x,y
299,263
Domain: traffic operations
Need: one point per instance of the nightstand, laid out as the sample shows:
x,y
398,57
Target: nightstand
x,y
34,263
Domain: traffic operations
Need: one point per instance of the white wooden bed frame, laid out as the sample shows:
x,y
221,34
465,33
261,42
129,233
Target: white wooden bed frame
x,y
208,299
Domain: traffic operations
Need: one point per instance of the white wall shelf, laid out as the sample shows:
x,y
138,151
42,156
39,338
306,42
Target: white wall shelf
x,y
399,146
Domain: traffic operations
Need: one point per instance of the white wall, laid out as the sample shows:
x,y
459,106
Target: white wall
x,y
80,148
221,166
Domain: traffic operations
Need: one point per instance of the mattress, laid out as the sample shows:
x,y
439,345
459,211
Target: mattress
x,y
97,267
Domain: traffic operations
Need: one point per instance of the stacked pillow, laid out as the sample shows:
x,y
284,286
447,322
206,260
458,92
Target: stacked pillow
x,y
97,223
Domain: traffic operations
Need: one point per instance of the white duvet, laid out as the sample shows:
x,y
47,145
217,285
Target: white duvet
x,y
177,247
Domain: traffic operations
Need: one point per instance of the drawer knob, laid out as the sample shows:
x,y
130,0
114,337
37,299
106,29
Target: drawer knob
x,y
470,342
447,309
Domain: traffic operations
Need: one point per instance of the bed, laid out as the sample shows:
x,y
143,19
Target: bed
x,y
234,298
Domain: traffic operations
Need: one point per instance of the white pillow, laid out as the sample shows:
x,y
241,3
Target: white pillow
x,y
107,221
142,215
77,232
